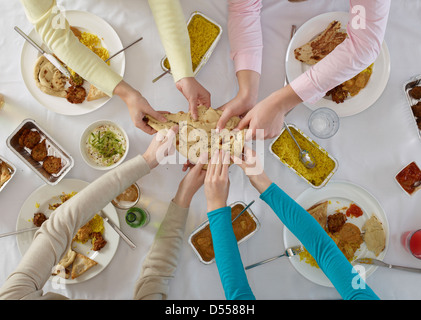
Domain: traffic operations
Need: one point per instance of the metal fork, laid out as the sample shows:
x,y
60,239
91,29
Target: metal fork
x,y
290,252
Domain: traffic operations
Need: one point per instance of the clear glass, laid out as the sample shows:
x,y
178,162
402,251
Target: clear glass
x,y
411,241
323,123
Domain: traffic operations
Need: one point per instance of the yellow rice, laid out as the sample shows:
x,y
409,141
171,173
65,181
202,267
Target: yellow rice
x,y
286,149
202,34
94,44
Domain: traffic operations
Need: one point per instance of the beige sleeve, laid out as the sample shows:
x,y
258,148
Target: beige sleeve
x,y
172,27
55,235
58,37
161,262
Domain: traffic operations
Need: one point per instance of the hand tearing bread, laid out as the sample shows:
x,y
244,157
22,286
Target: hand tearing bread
x,y
195,137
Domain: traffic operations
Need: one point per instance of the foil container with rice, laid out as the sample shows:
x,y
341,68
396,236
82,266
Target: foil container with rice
x,y
59,161
204,35
412,89
244,228
286,151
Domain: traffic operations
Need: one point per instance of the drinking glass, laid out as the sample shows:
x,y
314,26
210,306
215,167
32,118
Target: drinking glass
x,y
411,241
323,123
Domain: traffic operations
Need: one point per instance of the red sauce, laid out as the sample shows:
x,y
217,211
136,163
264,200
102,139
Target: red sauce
x,y
354,211
408,176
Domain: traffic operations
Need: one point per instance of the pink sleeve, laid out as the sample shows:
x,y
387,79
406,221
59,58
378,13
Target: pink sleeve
x,y
357,52
245,34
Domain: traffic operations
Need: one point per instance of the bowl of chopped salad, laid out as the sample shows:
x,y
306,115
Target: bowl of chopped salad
x,y
104,145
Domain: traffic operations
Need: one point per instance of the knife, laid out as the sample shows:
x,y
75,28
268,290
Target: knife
x,y
49,56
117,229
383,264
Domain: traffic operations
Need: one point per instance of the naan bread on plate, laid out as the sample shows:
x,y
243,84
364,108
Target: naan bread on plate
x,y
374,236
95,94
68,258
193,137
318,48
49,79
81,264
319,212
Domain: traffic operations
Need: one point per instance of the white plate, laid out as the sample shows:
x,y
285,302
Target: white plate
x,y
352,105
340,194
47,194
84,21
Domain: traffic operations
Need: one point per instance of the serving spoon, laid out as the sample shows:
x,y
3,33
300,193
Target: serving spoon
x,y
305,157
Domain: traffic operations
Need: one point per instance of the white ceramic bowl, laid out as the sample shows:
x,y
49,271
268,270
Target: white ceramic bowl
x,y
83,149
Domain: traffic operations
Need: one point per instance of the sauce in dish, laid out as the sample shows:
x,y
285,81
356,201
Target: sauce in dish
x,y
106,145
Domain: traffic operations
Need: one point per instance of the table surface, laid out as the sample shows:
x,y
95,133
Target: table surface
x,y
371,147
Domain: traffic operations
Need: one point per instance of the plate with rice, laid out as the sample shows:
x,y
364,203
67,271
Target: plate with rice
x,y
98,36
352,104
340,195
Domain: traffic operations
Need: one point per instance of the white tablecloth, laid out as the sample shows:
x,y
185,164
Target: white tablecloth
x,y
371,148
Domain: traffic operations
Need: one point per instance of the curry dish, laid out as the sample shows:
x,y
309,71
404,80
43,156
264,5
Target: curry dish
x,y
242,227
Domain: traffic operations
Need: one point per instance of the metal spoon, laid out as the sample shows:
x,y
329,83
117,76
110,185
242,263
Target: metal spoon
x,y
160,76
305,156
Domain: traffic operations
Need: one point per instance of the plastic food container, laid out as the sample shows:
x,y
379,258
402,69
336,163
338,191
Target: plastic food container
x,y
408,86
328,176
10,167
208,53
407,176
205,225
53,148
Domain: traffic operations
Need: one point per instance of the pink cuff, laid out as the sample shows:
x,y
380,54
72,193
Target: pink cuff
x,y
248,60
305,89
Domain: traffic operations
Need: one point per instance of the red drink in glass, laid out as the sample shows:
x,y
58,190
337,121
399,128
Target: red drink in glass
x,y
411,240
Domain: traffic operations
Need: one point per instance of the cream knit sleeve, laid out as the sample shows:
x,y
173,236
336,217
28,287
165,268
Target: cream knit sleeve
x,y
55,235
161,262
58,37
172,27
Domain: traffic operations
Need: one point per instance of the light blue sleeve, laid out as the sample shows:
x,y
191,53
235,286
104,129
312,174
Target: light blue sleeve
x,y
227,256
318,243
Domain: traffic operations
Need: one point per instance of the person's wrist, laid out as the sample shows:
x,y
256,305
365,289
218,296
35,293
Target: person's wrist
x,y
285,99
182,198
150,160
214,204
260,182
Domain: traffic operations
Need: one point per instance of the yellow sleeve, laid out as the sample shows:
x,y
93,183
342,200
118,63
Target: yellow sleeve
x,y
60,40
172,28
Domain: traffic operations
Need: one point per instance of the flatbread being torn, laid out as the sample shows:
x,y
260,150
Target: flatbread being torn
x,y
195,137
318,48
374,236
